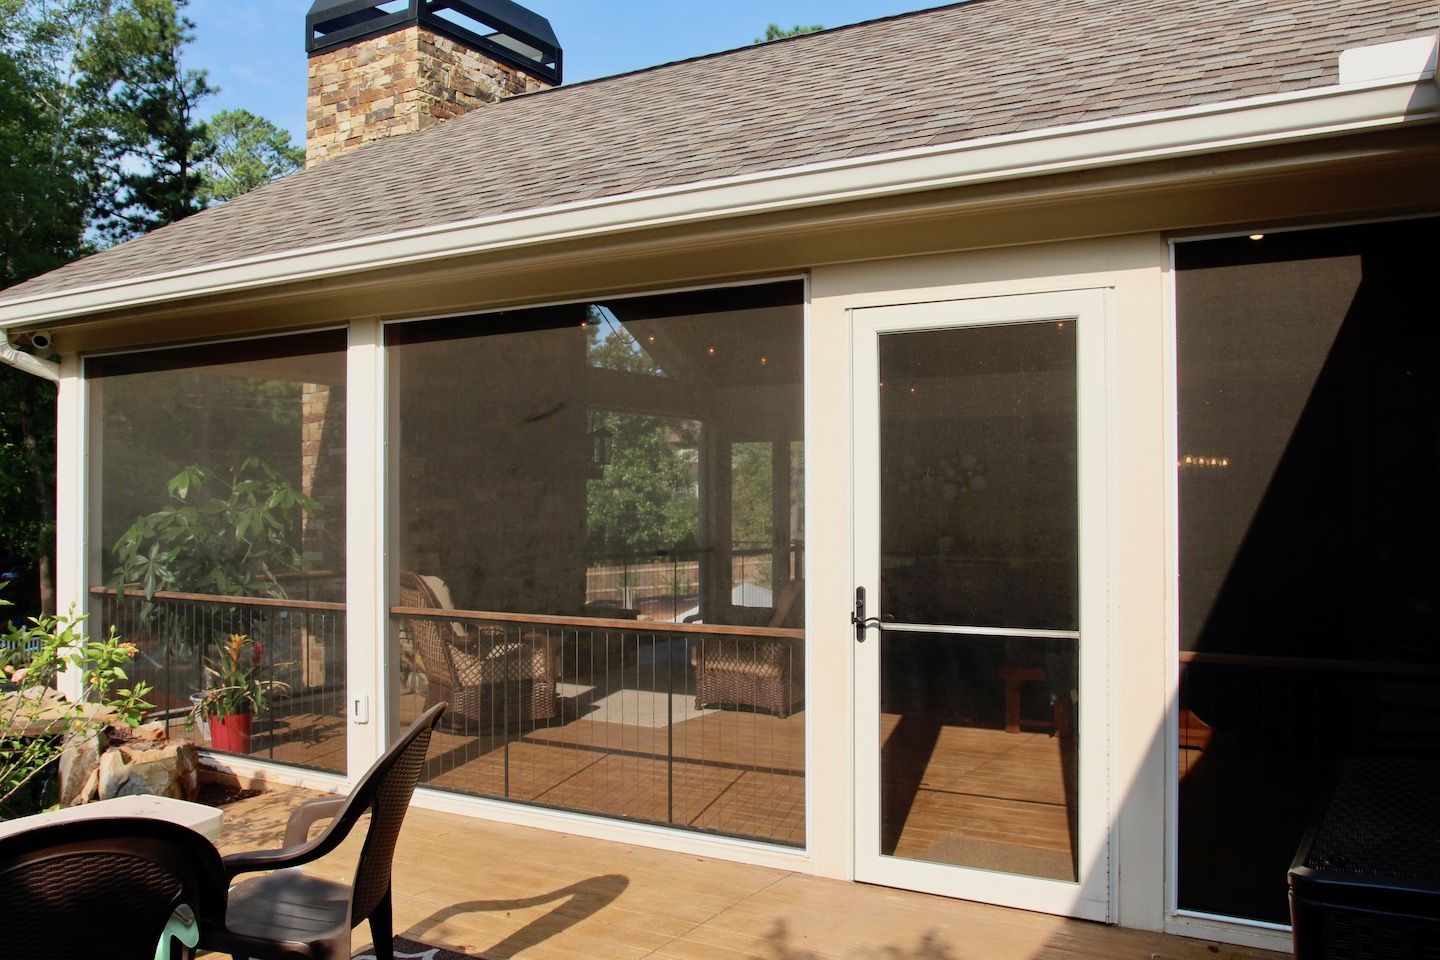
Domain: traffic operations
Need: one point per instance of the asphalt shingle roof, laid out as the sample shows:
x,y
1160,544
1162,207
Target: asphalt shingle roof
x,y
944,75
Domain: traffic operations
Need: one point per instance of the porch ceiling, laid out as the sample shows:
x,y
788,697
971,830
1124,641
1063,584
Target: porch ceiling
x,y
493,890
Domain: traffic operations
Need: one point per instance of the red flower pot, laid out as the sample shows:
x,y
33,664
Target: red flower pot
x,y
231,734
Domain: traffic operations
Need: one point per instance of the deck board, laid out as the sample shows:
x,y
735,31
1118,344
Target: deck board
x,y
497,891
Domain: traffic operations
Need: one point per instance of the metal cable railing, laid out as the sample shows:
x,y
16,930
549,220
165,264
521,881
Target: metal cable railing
x,y
303,721
696,726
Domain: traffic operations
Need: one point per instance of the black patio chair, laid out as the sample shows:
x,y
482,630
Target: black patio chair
x,y
287,915
106,887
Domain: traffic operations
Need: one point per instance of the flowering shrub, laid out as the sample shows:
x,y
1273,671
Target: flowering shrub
x,y
35,722
233,677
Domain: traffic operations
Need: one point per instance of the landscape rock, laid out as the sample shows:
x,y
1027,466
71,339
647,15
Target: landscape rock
x,y
114,772
79,761
90,792
164,770
43,713
151,732
145,733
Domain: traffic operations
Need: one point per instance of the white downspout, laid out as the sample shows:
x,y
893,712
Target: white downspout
x,y
29,363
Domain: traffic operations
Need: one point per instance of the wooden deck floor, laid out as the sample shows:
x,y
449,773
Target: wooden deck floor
x,y
498,891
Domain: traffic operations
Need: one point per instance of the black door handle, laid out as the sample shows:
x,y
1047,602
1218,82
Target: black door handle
x,y
858,618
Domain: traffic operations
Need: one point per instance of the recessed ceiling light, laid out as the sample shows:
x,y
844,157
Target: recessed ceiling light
x,y
1257,236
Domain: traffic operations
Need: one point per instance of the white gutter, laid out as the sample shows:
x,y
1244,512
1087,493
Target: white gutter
x,y
1190,131
28,363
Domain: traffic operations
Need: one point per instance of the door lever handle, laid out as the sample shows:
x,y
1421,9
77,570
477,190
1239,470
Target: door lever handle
x,y
858,620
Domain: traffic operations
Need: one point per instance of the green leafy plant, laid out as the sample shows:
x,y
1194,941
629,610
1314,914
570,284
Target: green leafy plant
x,y
35,722
221,535
233,684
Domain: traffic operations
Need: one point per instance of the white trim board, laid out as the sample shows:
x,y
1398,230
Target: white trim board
x,y
1188,131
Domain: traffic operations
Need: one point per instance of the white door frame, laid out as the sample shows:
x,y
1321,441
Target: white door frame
x,y
1092,897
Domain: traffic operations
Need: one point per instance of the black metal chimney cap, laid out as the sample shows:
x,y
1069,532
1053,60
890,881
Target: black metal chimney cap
x,y
499,28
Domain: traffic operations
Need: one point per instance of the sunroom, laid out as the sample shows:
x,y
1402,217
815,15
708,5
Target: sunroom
x,y
1036,513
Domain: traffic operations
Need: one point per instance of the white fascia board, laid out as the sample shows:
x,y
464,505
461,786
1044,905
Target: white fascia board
x,y
1189,131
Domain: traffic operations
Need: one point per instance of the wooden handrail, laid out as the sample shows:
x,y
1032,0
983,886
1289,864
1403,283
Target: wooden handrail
x,y
1313,665
600,623
316,605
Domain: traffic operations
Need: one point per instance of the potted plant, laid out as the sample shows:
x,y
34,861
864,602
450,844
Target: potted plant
x,y
233,693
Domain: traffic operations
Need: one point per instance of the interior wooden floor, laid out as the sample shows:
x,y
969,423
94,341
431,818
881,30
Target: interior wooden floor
x,y
734,772
977,797
496,891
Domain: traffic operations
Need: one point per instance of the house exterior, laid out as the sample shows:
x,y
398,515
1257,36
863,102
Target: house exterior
x,y
987,451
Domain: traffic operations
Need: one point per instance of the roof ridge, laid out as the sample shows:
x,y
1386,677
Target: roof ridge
x,y
766,44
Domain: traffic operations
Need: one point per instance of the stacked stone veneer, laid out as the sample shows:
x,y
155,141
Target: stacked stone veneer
x,y
399,83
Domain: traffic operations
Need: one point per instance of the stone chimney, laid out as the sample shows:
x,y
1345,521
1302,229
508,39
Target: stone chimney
x,y
381,68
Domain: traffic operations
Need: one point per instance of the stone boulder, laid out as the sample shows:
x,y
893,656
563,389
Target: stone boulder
x,y
79,761
114,771
161,770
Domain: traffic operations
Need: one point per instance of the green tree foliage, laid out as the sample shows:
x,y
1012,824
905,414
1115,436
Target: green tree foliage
x,y
99,141
157,144
645,501
776,32
247,151
752,500
27,482
51,133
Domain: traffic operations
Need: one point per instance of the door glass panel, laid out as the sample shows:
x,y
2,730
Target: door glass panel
x,y
979,529
978,479
978,754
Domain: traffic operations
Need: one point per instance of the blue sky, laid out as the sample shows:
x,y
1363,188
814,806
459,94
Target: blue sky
x,y
254,49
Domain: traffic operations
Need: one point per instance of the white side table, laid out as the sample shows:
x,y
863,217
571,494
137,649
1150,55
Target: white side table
x,y
204,820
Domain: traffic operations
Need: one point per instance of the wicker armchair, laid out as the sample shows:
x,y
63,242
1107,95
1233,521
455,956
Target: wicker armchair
x,y
487,678
760,672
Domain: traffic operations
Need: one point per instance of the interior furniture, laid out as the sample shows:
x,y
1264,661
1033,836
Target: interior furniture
x,y
202,818
287,915
1014,676
767,673
112,887
488,679
1365,883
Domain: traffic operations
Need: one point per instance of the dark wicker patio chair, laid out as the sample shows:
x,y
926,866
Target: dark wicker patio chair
x,y
764,673
287,915
486,678
105,887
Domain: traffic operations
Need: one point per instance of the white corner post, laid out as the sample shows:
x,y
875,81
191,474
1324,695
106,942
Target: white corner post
x,y
365,595
72,533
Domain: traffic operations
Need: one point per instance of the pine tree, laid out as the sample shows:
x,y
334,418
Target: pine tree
x,y
157,144
246,151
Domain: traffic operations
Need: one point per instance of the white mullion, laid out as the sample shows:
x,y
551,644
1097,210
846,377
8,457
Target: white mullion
x,y
365,594
72,536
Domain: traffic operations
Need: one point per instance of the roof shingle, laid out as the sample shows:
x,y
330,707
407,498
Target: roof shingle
x,y
939,76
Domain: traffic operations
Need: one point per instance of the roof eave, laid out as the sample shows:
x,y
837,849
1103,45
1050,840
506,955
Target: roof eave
x,y
1252,122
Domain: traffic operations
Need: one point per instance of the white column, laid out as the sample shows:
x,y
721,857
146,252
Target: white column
x,y
366,617
829,538
71,500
